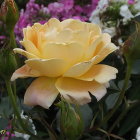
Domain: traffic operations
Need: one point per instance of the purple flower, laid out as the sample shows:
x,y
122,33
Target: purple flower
x,y
33,13
131,1
55,9
94,3
68,4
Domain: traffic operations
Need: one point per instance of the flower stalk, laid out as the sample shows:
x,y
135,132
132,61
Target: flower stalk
x,y
121,97
16,110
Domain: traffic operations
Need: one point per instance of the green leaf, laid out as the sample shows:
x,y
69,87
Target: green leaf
x,y
134,92
111,100
87,114
120,84
3,123
5,107
131,120
113,85
136,67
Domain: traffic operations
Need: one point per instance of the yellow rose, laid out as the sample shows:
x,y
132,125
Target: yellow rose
x,y
65,56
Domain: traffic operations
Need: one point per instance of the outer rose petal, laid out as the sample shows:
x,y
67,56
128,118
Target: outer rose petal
x,y
104,52
72,24
93,28
52,23
98,43
24,53
77,91
31,35
30,47
41,92
48,67
80,68
23,72
100,73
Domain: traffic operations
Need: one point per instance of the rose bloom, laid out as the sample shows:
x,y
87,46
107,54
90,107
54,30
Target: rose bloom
x,y
65,57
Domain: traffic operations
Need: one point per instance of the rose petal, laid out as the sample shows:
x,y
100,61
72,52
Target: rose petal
x,y
93,28
82,37
105,51
77,91
52,23
80,68
72,24
41,92
31,35
98,43
30,47
48,67
100,73
24,53
63,36
71,52
23,72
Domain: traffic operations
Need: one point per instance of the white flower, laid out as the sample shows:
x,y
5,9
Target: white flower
x,y
111,31
137,5
125,13
138,134
101,7
120,41
25,136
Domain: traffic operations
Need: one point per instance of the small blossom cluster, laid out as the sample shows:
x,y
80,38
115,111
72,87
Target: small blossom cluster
x,y
110,15
63,9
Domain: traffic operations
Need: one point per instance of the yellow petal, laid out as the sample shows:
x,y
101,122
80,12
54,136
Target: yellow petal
x,y
100,73
80,68
63,36
94,29
98,43
37,26
105,51
71,52
50,67
106,39
24,53
30,47
82,37
77,91
31,35
52,23
41,92
72,24
23,72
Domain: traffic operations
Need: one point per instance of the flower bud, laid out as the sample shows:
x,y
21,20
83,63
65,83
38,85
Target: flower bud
x,y
71,122
9,14
131,48
3,10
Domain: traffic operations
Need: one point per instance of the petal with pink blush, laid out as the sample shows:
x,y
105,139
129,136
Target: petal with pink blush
x,y
23,72
41,92
77,91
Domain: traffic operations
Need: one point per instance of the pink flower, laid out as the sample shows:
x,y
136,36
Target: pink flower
x,y
131,1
